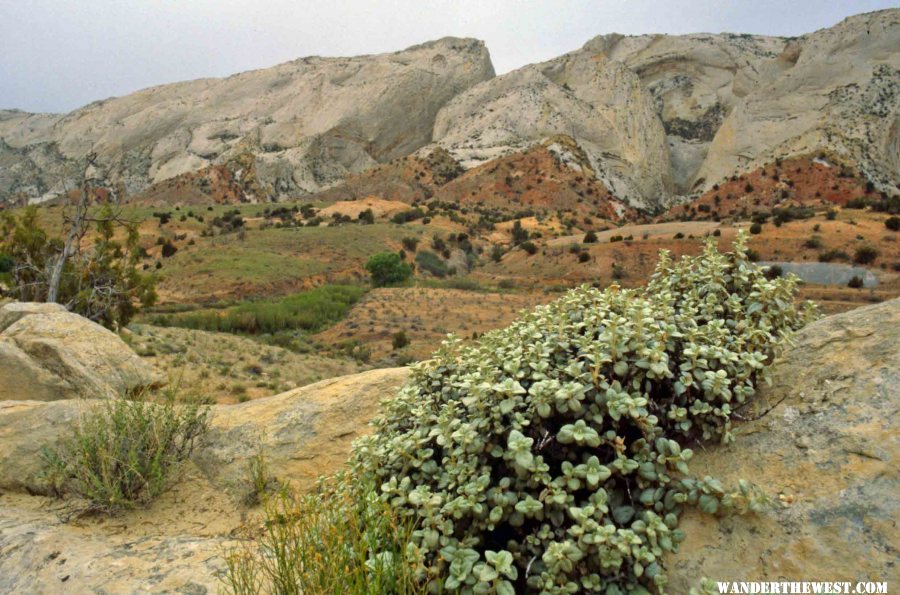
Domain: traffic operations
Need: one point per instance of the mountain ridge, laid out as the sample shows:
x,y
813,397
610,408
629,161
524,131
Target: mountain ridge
x,y
661,118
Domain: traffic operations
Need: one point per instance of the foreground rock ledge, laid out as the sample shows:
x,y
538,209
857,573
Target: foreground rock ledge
x,y
827,454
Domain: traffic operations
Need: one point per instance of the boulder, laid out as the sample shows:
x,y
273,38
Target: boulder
x,y
48,353
826,449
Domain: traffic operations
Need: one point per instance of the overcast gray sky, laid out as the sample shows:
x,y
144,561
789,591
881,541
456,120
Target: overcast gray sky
x,y
56,55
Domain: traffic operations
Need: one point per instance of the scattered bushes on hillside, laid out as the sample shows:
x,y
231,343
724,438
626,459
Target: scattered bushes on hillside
x,y
121,453
431,262
551,455
387,268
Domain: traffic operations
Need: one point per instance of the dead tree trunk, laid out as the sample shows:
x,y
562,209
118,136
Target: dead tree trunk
x,y
75,230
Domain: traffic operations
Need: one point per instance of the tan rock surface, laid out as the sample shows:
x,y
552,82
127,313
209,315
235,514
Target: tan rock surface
x,y
827,455
47,353
303,433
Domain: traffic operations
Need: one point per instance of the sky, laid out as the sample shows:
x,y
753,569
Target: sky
x,y
56,55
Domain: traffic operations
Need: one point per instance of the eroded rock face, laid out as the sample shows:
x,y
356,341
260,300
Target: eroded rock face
x,y
599,102
48,353
659,117
835,91
826,453
308,123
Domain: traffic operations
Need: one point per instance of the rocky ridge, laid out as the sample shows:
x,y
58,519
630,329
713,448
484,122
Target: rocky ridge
x,y
660,118
308,123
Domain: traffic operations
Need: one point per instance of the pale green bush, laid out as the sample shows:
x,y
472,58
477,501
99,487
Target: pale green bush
x,y
123,451
552,455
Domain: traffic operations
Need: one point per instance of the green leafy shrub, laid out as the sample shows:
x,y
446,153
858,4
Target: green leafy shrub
x,y
409,215
431,262
813,243
551,455
122,452
387,268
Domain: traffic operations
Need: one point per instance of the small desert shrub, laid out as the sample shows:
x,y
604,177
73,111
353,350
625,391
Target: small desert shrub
x,y
892,223
855,282
259,482
831,255
122,451
399,340
813,243
584,257
865,254
496,253
831,214
756,228
431,262
590,237
334,541
529,247
168,249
